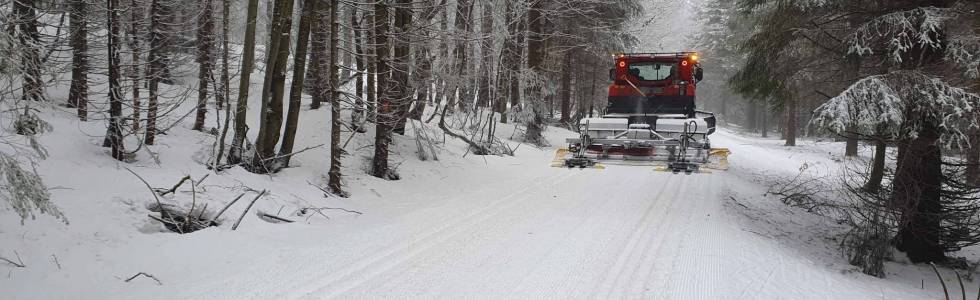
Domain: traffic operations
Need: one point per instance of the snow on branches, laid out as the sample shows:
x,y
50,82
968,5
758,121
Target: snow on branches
x,y
964,52
898,103
902,31
24,190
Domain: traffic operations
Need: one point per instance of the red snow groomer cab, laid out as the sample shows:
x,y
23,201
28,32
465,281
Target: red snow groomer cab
x,y
654,84
651,116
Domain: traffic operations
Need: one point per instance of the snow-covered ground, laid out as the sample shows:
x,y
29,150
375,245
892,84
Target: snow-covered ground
x,y
464,226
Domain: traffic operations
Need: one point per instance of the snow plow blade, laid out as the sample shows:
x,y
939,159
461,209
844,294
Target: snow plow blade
x,y
718,159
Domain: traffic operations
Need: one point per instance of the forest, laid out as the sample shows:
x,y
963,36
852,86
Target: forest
x,y
875,106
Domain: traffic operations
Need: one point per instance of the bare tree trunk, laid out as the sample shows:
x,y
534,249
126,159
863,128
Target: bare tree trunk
x,y
851,145
336,149
299,73
592,93
791,120
134,46
422,76
379,165
442,83
78,92
509,91
518,50
25,14
464,13
273,88
535,59
877,167
357,117
423,57
319,58
371,60
205,37
402,41
222,98
159,13
114,135
347,35
764,119
566,86
248,63
486,49
918,181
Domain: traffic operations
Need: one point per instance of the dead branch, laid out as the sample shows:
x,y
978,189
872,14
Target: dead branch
x,y
277,218
176,186
234,227
150,276
157,198
204,209
56,261
174,223
199,181
477,148
303,210
293,153
19,263
326,193
187,221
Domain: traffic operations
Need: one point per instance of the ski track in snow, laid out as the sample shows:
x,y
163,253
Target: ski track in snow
x,y
626,232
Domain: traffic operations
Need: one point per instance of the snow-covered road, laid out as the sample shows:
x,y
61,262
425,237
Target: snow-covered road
x,y
622,232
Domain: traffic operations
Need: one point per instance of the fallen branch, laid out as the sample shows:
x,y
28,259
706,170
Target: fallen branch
x,y
174,189
326,193
234,227
157,198
303,210
215,218
478,149
19,263
187,218
277,218
56,261
293,153
150,276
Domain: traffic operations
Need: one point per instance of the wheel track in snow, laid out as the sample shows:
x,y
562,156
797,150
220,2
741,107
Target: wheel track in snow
x,y
477,241
489,248
366,268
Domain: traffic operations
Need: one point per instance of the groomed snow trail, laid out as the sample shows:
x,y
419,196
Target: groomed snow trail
x,y
623,232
